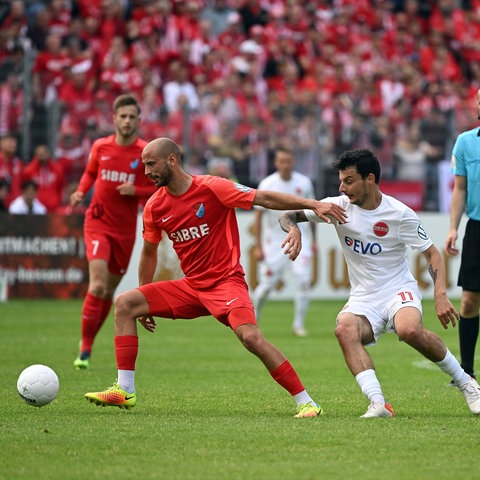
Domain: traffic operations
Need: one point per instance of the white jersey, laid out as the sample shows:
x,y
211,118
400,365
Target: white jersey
x,y
375,243
298,184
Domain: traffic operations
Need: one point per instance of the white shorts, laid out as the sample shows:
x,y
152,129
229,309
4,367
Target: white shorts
x,y
276,262
380,308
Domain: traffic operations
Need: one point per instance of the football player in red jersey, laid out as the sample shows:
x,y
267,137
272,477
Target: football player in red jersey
x,y
198,215
115,166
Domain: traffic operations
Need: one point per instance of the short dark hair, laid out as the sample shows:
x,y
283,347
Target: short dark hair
x,y
29,183
286,150
126,100
363,160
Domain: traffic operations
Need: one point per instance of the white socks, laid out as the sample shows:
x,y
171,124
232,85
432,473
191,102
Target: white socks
x,y
302,397
126,380
367,381
451,366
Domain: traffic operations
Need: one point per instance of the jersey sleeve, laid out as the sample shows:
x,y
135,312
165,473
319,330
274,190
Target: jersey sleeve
x,y
231,194
458,161
312,216
151,233
412,232
91,170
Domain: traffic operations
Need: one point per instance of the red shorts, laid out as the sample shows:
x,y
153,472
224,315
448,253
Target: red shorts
x,y
116,251
178,299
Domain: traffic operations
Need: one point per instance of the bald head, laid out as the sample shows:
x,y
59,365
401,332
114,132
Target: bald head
x,y
162,148
163,165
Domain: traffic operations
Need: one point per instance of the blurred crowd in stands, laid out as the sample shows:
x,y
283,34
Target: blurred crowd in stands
x,y
231,80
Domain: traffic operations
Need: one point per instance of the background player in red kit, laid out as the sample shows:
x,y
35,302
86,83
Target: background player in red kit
x,y
198,215
116,168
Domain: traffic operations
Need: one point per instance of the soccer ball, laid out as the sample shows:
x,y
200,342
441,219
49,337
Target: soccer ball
x,y
38,385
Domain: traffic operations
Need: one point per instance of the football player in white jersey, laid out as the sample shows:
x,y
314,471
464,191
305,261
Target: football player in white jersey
x,y
384,295
269,238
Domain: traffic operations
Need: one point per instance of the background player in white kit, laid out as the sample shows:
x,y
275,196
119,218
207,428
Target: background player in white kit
x,y
269,238
384,295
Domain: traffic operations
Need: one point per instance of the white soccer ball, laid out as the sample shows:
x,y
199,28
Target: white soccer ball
x,y
38,385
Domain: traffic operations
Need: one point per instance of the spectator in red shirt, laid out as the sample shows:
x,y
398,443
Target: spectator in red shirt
x,y
48,68
77,97
89,8
60,17
48,175
16,20
11,105
113,19
72,150
10,166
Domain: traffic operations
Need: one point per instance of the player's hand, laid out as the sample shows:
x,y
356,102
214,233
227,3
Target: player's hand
x,y
76,198
450,248
147,322
126,189
327,210
292,243
446,312
258,252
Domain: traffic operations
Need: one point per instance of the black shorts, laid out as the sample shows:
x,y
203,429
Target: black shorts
x,y
469,275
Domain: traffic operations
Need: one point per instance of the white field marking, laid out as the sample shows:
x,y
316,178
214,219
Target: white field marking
x,y
425,364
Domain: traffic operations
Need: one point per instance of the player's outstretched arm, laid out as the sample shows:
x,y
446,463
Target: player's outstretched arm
x,y
293,241
326,211
446,312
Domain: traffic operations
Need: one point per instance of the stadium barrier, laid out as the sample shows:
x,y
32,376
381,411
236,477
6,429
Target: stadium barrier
x,y
45,258
331,269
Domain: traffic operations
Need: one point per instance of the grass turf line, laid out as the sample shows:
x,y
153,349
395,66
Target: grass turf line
x,y
207,409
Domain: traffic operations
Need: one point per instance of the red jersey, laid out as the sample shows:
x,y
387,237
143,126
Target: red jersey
x,y
50,178
202,225
110,165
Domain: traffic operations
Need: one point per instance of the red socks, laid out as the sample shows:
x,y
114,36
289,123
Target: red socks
x,y
286,376
126,349
94,312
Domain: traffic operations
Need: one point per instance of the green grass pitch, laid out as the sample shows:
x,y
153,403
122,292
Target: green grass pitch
x,y
208,409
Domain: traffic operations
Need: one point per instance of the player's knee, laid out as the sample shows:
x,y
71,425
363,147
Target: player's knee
x,y
341,332
410,334
124,305
346,332
97,290
250,336
469,307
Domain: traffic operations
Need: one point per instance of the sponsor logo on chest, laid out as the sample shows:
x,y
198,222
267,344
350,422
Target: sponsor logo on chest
x,y
361,247
116,176
190,233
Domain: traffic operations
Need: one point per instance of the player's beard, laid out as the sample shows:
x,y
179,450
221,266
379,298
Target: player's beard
x,y
127,132
164,179
361,198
